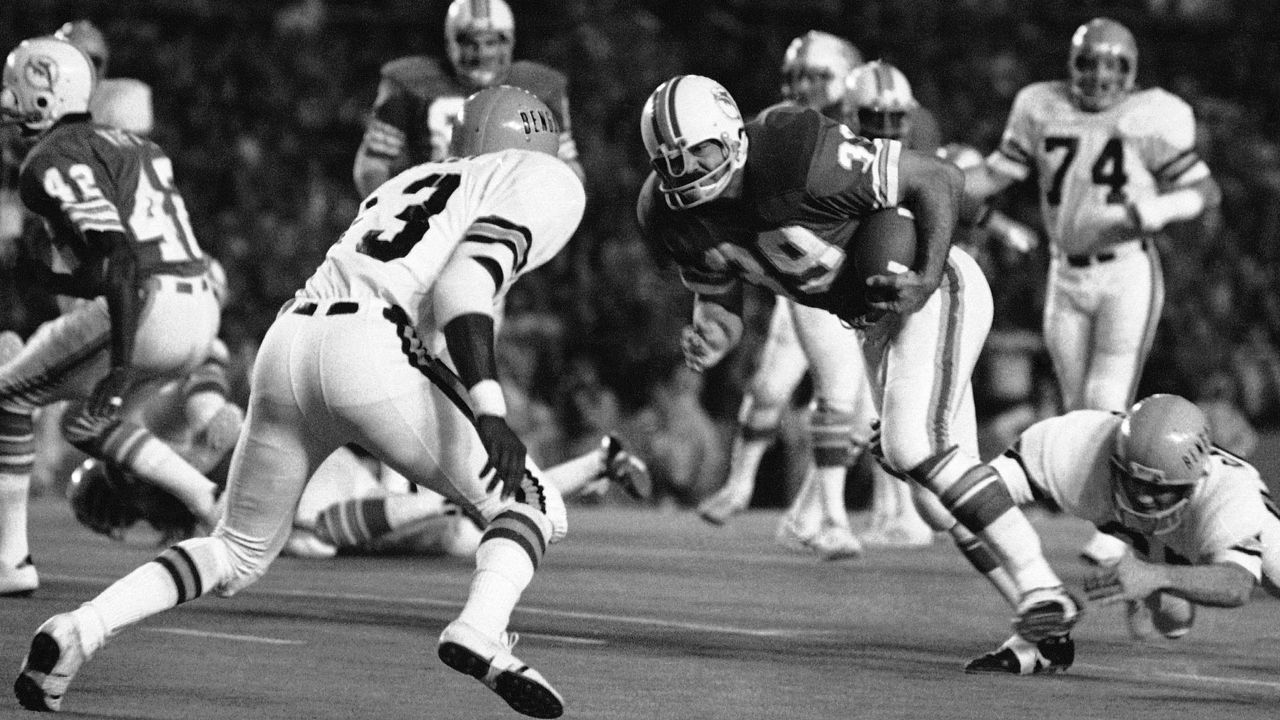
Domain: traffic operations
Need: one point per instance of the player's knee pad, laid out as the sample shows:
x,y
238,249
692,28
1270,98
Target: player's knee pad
x,y
197,566
17,441
832,433
759,416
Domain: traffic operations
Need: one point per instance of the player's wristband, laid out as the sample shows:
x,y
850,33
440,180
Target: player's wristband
x,y
487,398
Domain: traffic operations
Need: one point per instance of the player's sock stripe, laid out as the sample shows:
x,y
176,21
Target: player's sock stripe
x,y
373,517
517,519
186,580
978,554
506,533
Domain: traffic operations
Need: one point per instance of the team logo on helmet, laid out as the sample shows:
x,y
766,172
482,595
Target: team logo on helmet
x,y
726,103
40,72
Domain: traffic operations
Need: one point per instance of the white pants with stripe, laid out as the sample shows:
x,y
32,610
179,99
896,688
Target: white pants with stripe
x,y
347,371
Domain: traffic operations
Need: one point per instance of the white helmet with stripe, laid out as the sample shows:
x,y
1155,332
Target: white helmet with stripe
x,y
480,36
683,113
877,99
44,79
814,69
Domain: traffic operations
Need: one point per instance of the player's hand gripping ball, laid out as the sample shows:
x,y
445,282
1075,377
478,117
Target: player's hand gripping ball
x,y
883,245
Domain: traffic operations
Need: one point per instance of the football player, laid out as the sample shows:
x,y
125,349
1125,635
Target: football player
x,y
122,242
775,202
1199,525
419,98
879,103
349,505
124,103
801,339
349,359
1115,164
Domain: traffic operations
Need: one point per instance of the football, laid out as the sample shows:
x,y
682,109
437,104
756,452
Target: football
x,y
884,243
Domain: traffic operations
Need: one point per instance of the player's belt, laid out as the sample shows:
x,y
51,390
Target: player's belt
x,y
1105,256
186,286
342,307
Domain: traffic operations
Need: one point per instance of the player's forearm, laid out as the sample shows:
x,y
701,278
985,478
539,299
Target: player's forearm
x,y
463,299
122,300
936,206
1223,584
980,182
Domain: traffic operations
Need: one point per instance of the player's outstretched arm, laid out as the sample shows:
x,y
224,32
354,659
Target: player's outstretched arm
x,y
981,182
1221,584
1181,203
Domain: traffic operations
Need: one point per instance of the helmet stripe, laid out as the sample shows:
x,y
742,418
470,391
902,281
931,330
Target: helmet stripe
x,y
480,10
665,112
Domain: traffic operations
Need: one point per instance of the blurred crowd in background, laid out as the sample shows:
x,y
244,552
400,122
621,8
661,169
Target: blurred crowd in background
x,y
262,105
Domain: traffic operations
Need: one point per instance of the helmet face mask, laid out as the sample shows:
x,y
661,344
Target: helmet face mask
x,y
1161,457
1103,64
44,79
480,38
814,70
696,140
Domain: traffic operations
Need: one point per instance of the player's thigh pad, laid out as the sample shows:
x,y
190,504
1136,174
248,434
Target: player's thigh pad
x,y
929,364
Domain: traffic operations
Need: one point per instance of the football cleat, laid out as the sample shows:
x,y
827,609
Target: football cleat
x,y
1019,657
1046,612
835,542
626,470
51,664
899,533
490,661
793,535
729,500
20,580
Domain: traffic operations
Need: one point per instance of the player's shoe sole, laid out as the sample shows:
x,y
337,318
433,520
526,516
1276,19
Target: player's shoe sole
x,y
1051,655
626,470
19,581
836,543
51,664
464,649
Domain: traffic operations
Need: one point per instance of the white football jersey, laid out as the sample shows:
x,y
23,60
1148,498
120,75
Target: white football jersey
x,y
1090,163
1065,460
514,209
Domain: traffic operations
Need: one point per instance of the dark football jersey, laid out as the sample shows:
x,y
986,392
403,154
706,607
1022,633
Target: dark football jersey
x,y
808,181
83,177
421,98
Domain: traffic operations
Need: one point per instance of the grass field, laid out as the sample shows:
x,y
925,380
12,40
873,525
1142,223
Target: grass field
x,y
639,614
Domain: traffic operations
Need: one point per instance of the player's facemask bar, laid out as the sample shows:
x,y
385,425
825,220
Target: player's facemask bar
x,y
1146,501
675,163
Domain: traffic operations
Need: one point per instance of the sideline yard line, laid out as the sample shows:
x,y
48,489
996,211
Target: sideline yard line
x,y
225,636
1167,675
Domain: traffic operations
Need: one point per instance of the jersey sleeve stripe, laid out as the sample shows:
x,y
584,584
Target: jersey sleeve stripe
x,y
1178,165
97,215
495,230
884,171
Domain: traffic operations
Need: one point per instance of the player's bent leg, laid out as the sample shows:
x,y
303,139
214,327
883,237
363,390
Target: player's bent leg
x,y
973,493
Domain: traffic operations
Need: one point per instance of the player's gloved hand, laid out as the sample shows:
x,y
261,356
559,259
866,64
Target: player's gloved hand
x,y
506,451
108,395
1129,579
903,293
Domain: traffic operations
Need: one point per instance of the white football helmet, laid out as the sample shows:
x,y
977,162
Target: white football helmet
x,y
480,36
86,36
44,79
877,99
1103,64
683,113
1161,455
503,118
814,69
